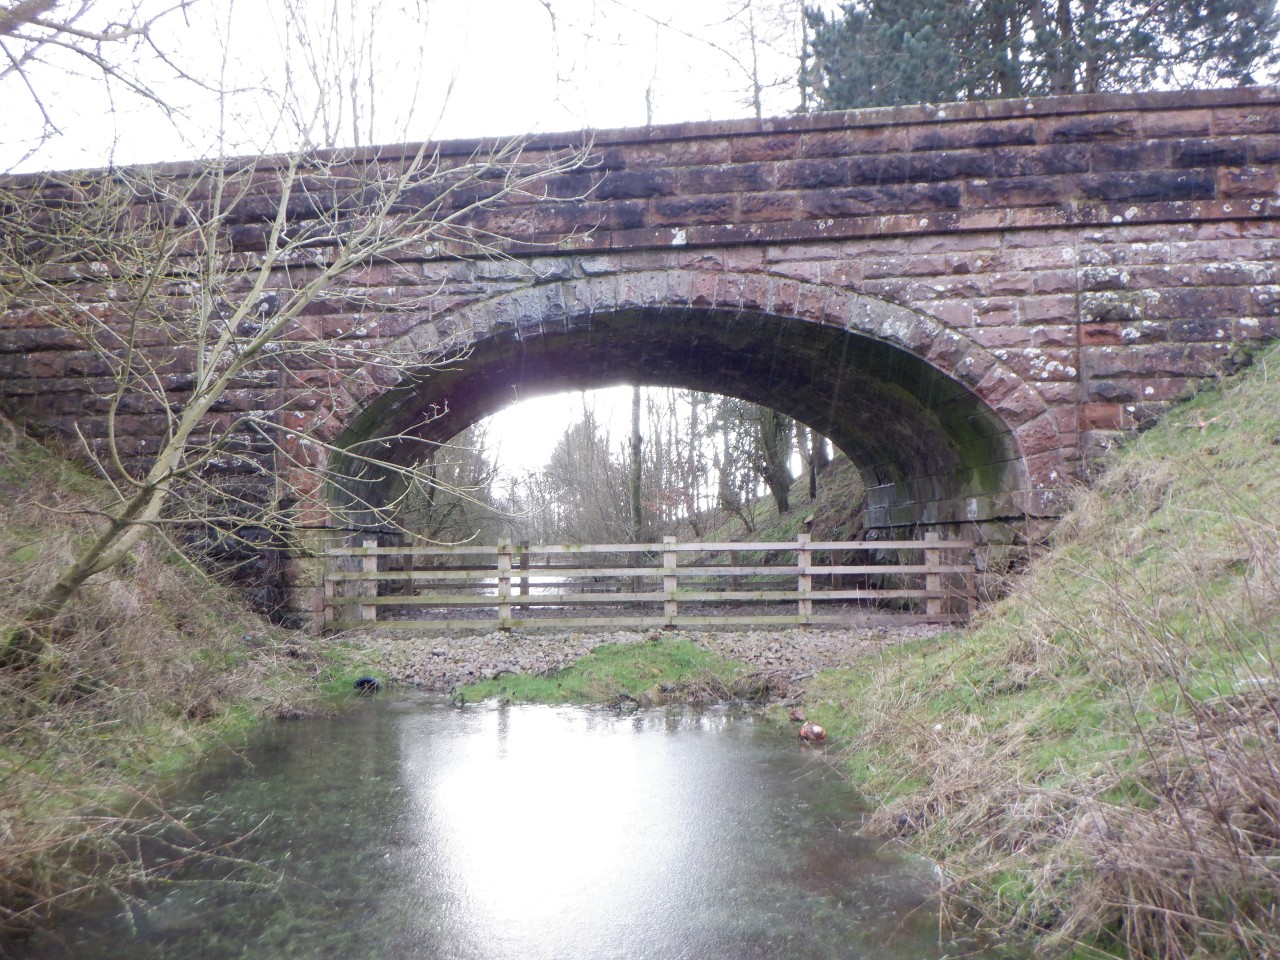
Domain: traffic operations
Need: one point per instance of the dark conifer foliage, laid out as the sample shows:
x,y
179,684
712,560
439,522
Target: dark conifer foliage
x,y
881,52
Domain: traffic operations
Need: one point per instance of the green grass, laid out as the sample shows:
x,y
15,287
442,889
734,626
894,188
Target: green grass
x,y
1129,674
612,671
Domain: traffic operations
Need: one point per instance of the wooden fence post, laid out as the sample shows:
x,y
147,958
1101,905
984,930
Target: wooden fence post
x,y
804,579
330,591
504,584
369,565
933,581
524,574
669,583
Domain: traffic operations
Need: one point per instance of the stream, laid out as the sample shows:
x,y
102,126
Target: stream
x,y
406,829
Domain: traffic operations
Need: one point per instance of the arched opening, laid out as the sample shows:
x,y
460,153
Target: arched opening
x,y
931,451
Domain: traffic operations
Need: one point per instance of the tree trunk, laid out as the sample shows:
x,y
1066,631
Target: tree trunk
x,y
775,447
637,517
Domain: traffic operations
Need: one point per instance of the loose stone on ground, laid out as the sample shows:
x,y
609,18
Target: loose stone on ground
x,y
435,662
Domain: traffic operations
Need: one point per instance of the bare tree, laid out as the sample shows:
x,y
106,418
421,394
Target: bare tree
x,y
194,332
42,42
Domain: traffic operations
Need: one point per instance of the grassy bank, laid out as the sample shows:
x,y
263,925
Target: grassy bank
x,y
1098,759
154,665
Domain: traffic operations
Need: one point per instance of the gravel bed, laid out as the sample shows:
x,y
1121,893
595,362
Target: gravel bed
x,y
439,662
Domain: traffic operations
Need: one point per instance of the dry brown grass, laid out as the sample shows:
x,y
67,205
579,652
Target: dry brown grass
x,y
153,664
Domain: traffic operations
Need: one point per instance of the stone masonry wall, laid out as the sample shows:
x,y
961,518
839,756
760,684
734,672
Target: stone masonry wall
x,y
1095,256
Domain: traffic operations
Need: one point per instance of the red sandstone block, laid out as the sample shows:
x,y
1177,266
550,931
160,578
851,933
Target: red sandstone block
x,y
1200,303
729,178
680,211
1012,284
1176,123
1248,182
805,270
1260,118
1053,281
1160,389
1055,308
784,147
863,140
1035,364
1054,239
1263,150
992,311
1019,337
784,297
768,207
814,174
1258,328
1130,156
757,293
666,153
1143,360
954,313
950,165
1210,152
1056,260
986,243
811,303
1101,334
1040,161
1066,420
1059,392
1105,416
1041,435
1033,191
983,133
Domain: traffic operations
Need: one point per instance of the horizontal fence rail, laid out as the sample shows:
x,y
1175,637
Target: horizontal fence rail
x,y
667,584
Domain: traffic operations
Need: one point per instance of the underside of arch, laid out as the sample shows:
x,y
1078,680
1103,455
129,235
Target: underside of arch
x,y
930,449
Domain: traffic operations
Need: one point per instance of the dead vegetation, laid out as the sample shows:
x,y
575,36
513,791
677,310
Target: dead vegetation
x,y
153,664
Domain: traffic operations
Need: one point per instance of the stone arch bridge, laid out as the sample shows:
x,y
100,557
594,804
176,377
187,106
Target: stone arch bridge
x,y
971,300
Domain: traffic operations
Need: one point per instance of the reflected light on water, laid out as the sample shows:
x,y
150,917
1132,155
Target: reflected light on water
x,y
554,829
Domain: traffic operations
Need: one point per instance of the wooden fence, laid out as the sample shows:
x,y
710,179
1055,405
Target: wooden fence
x,y
509,585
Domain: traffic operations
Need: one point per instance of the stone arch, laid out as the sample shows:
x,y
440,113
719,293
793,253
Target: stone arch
x,y
943,432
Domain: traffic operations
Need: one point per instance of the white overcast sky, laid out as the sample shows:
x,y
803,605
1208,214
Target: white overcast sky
x,y
477,68
469,67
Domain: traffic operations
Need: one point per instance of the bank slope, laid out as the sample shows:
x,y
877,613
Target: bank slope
x,y
1097,760
152,664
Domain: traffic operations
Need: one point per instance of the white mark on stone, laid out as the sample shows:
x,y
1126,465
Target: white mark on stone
x,y
1148,391
1131,213
678,237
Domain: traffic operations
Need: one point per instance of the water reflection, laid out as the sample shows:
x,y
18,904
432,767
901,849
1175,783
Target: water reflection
x,y
411,830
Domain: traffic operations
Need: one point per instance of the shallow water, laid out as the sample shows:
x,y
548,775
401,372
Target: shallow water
x,y
408,829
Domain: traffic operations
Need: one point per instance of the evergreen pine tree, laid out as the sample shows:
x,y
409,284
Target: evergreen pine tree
x,y
880,52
